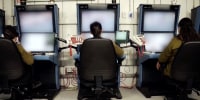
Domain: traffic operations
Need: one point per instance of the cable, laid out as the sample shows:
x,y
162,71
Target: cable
x,y
123,84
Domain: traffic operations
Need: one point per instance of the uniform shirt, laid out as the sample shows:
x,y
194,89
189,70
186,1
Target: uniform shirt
x,y
118,51
167,56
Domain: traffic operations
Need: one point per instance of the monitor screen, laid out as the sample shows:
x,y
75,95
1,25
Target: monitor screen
x,y
38,42
159,21
156,42
40,21
105,17
122,36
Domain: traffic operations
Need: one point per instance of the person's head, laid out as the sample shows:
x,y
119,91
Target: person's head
x,y
96,29
186,30
10,32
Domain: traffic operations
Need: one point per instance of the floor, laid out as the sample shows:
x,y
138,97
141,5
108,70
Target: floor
x,y
128,94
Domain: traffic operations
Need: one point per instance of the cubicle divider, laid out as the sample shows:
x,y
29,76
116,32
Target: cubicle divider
x,y
39,31
157,35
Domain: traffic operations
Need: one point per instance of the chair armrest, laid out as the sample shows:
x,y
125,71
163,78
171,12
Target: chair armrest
x,y
77,63
120,59
162,67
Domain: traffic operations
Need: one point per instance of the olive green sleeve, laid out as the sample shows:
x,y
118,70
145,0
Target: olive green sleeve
x,y
26,56
118,50
170,51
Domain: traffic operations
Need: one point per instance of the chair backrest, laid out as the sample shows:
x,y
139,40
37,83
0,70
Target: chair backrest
x,y
186,64
11,65
98,58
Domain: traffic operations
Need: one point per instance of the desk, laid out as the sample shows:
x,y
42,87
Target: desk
x,y
150,81
46,70
51,58
146,66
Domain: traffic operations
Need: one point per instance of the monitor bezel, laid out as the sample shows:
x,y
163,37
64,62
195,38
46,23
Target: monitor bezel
x,y
127,36
86,7
35,8
159,10
19,19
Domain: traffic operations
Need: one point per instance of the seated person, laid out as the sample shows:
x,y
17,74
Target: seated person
x,y
186,33
11,34
96,30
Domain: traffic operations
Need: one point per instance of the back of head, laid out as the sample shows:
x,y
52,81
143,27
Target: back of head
x,y
10,32
96,29
187,31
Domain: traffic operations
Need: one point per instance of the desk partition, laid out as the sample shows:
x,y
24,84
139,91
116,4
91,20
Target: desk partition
x,y
158,24
38,27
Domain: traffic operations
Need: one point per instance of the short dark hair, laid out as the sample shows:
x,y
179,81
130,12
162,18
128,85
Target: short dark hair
x,y
10,32
96,29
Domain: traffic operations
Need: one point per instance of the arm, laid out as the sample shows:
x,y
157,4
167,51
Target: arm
x,y
119,51
165,55
169,52
26,56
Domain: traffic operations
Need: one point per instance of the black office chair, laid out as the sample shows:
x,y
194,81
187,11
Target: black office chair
x,y
12,78
98,70
185,69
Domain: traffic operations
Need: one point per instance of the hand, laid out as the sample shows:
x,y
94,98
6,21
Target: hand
x,y
16,40
143,40
158,66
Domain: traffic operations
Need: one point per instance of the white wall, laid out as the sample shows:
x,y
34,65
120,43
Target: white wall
x,y
68,11
68,22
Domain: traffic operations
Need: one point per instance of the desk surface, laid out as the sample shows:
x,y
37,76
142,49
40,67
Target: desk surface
x,y
52,58
148,55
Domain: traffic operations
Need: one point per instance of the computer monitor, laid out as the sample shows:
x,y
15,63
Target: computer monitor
x,y
38,42
106,14
159,21
36,21
105,17
37,18
157,42
156,18
122,36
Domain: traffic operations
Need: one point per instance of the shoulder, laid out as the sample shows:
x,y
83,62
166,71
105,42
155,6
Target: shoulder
x,y
19,45
175,43
176,40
